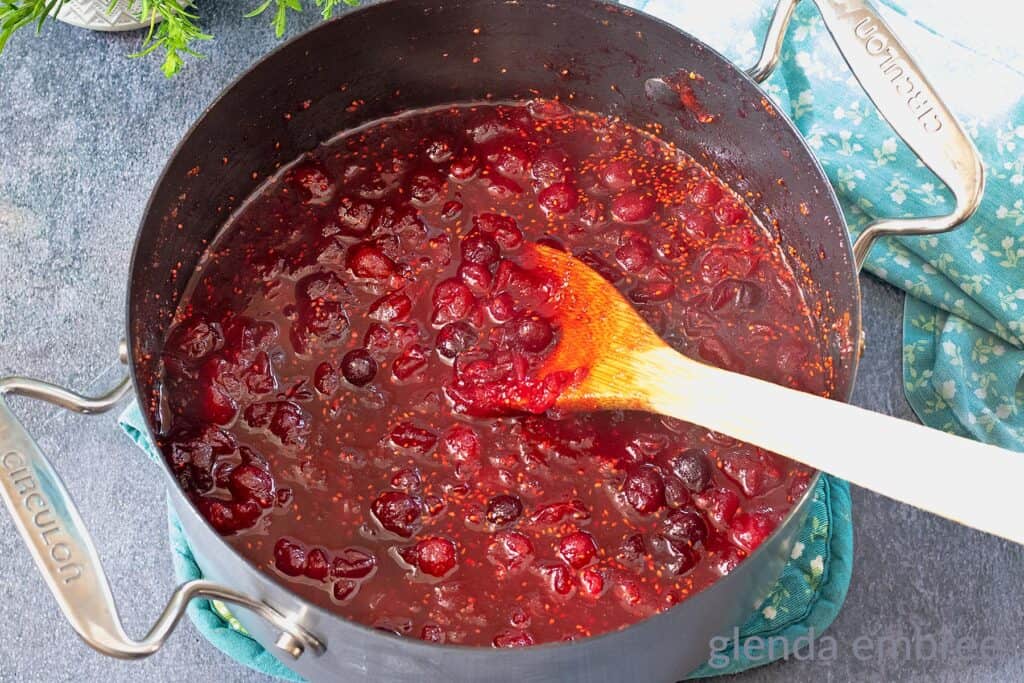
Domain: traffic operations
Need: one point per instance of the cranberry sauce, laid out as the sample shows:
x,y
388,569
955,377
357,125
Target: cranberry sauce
x,y
319,382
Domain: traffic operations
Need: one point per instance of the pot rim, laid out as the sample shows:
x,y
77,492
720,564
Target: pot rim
x,y
797,509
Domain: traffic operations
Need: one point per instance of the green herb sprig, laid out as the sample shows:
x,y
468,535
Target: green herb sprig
x,y
173,30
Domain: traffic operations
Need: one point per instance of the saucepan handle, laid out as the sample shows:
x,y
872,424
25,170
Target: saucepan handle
x,y
904,97
49,523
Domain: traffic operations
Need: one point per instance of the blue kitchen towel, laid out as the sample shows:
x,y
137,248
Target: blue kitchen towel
x,y
805,601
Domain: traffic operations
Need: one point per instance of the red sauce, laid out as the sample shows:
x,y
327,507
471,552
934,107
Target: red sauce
x,y
319,383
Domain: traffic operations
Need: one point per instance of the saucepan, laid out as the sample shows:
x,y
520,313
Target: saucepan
x,y
409,54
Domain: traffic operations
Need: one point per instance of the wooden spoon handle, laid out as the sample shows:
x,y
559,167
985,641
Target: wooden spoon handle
x,y
969,482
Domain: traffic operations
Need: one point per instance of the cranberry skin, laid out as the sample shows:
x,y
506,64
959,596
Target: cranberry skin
x,y
685,526
408,435
578,549
326,379
591,582
749,530
730,213
368,261
311,181
452,301
706,193
229,518
633,206
436,556
644,489
480,249
454,338
559,198
410,362
358,367
391,308
355,216
533,333
289,557
559,577
513,638
317,565
353,563
398,513
692,468
511,551
248,482
504,509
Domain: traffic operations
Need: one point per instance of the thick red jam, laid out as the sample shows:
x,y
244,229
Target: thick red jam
x,y
321,383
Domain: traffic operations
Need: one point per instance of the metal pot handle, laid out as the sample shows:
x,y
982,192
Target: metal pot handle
x,y
49,523
904,97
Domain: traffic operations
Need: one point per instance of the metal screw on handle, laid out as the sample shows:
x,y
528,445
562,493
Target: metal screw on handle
x,y
904,97
49,523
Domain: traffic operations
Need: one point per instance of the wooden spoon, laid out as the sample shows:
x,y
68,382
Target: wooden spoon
x,y
627,366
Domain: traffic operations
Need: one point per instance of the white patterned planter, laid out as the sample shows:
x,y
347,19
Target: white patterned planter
x,y
97,15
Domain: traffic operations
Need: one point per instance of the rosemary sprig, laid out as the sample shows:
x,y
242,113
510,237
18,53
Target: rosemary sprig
x,y
15,14
172,29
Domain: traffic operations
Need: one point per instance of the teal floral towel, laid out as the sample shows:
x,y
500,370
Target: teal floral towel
x,y
804,602
964,318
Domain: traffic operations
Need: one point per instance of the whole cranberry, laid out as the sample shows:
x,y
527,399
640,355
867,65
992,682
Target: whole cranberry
x,y
366,260
558,198
644,489
617,174
504,509
533,333
578,549
706,193
248,482
317,566
391,308
692,468
397,512
513,638
633,206
591,582
685,526
289,557
326,379
749,530
454,338
480,249
452,301
436,556
353,563
358,367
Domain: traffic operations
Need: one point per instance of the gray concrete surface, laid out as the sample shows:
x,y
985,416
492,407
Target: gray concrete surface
x,y
83,135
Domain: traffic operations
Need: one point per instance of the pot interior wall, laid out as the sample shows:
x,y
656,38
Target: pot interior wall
x,y
396,56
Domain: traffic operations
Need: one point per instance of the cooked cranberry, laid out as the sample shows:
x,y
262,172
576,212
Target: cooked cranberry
x,y
685,525
513,638
504,509
368,261
407,479
751,468
358,367
533,333
480,248
558,198
408,435
720,263
249,482
436,556
353,563
452,301
511,161
464,167
504,229
551,166
194,340
558,576
699,225
215,405
477,277
735,295
451,210
317,565
345,589
578,549
555,513
461,444
397,512
425,187
644,489
326,379
749,530
410,362
634,256
454,338
720,504
502,307
692,468
706,193
652,292
393,307
289,557
633,206
617,175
